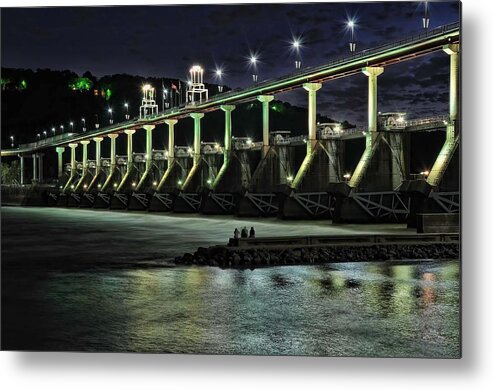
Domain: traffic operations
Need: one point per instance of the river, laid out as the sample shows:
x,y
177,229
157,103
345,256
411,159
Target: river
x,y
93,280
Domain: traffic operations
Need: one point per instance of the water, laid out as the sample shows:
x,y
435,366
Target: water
x,y
100,281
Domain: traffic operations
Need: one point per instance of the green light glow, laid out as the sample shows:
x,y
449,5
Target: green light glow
x,y
23,84
108,94
81,84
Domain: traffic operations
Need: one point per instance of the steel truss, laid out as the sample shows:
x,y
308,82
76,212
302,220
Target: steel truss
x,y
104,197
263,202
165,199
141,198
90,197
123,198
448,201
315,203
225,201
381,205
194,200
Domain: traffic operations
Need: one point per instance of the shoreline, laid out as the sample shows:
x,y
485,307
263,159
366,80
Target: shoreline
x,y
255,257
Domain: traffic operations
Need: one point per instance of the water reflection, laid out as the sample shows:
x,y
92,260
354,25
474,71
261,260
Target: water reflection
x,y
349,309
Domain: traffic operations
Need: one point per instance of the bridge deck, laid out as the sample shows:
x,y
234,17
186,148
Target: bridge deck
x,y
402,50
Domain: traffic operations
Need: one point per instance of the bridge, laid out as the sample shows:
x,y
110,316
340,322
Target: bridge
x,y
233,178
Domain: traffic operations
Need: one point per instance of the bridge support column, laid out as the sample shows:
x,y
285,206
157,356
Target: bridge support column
x,y
372,72
40,167
451,140
60,150
35,169
453,51
148,129
312,89
265,100
197,116
171,150
84,144
22,173
112,138
98,141
228,109
196,136
73,166
130,158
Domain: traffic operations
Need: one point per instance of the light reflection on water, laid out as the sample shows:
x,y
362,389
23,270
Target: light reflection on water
x,y
346,309
81,303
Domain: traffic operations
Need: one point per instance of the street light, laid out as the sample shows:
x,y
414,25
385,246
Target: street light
x,y
72,126
127,116
61,128
39,136
352,44
253,63
83,120
44,133
53,130
12,140
426,17
219,75
296,45
110,111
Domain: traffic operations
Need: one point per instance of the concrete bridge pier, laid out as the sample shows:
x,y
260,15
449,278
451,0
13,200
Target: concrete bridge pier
x,y
265,100
226,189
189,199
176,171
268,183
144,189
370,195
85,178
308,197
22,172
440,191
110,182
123,190
69,186
90,191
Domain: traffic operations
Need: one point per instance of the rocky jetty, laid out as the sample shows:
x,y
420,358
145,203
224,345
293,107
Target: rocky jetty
x,y
234,257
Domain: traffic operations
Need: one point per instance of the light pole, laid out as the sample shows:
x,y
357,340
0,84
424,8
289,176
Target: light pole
x,y
426,17
127,116
12,140
39,136
296,45
219,74
72,127
96,125
83,124
110,111
253,63
352,44
53,130
61,128
44,133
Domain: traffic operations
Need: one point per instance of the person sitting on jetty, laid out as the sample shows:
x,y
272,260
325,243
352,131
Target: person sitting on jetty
x,y
244,232
236,233
252,232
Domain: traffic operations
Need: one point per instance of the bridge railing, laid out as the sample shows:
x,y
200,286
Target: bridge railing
x,y
424,121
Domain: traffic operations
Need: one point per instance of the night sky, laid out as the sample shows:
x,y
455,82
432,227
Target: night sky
x,y
165,41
